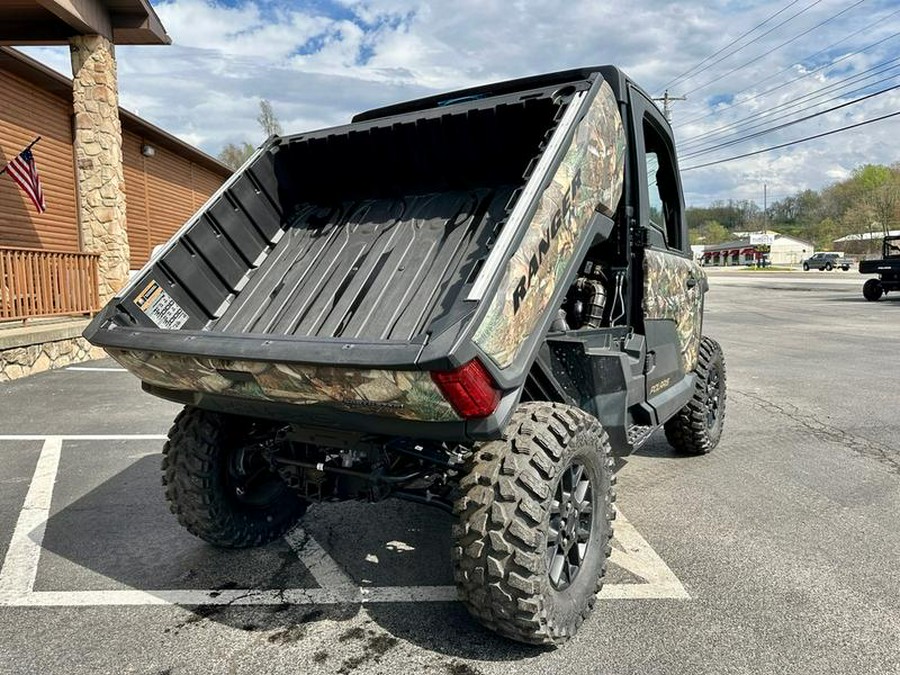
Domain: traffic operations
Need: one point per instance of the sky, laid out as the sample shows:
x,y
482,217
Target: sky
x,y
744,67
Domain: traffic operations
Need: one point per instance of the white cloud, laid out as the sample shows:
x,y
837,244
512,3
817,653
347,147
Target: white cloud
x,y
320,61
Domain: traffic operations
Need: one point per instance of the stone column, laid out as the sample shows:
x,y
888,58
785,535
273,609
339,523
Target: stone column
x,y
98,159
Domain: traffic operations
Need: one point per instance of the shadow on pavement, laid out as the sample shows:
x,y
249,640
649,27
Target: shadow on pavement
x,y
893,299
120,535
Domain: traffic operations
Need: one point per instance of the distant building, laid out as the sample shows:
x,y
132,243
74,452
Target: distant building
x,y
783,250
864,243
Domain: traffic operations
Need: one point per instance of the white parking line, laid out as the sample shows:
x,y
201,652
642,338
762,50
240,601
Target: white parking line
x,y
85,437
294,596
322,566
639,558
21,563
87,369
19,570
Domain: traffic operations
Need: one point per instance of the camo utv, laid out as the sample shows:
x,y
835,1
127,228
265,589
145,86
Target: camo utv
x,y
470,301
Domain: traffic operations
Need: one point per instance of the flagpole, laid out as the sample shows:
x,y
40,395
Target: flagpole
x,y
29,146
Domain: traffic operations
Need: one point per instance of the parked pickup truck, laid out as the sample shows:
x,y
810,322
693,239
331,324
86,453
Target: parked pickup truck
x,y
469,301
827,261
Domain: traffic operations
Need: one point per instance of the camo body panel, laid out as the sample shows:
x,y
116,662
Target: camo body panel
x,y
667,296
594,165
401,394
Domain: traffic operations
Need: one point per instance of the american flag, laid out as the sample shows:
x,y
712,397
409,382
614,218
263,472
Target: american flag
x,y
23,170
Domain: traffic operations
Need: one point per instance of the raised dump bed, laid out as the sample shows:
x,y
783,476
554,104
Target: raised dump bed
x,y
370,231
416,239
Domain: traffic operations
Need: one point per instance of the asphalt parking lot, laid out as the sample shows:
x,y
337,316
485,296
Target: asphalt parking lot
x,y
778,553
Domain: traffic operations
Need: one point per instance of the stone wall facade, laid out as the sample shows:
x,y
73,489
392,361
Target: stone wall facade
x,y
98,159
29,359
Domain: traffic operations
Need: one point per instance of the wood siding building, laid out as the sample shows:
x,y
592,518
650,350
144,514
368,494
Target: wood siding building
x,y
166,180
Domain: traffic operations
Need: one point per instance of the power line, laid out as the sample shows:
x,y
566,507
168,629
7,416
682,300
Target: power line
x,y
757,38
791,123
770,51
729,45
807,98
809,73
743,127
741,139
790,143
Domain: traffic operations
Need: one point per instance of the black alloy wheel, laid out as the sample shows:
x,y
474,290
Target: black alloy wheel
x,y
571,519
534,522
713,395
697,427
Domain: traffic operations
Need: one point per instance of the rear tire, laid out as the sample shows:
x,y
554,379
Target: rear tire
x,y
219,487
829,267
697,427
873,290
534,522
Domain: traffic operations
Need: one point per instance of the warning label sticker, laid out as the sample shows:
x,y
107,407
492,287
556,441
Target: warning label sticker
x,y
160,307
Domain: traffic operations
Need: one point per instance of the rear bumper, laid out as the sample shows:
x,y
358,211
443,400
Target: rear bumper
x,y
384,402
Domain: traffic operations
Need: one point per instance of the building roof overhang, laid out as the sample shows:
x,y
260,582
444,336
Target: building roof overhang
x,y
54,22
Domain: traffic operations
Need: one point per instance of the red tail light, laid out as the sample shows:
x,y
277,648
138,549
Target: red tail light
x,y
470,389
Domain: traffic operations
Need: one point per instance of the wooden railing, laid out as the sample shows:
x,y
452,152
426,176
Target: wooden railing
x,y
35,283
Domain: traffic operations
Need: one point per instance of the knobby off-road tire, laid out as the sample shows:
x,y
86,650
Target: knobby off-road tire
x,y
872,290
521,496
697,427
219,490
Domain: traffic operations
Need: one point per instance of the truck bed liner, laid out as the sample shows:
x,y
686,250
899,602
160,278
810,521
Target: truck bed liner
x,y
380,269
371,232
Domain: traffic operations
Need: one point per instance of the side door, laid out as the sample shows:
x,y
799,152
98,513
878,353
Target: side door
x,y
673,283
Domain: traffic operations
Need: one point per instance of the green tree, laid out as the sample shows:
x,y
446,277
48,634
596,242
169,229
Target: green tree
x,y
267,119
871,176
709,232
868,200
234,155
823,234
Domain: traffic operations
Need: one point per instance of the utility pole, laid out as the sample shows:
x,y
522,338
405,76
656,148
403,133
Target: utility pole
x,y
666,101
765,209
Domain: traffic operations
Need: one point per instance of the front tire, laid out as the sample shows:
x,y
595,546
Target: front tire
x,y
220,487
873,290
534,522
805,267
697,427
